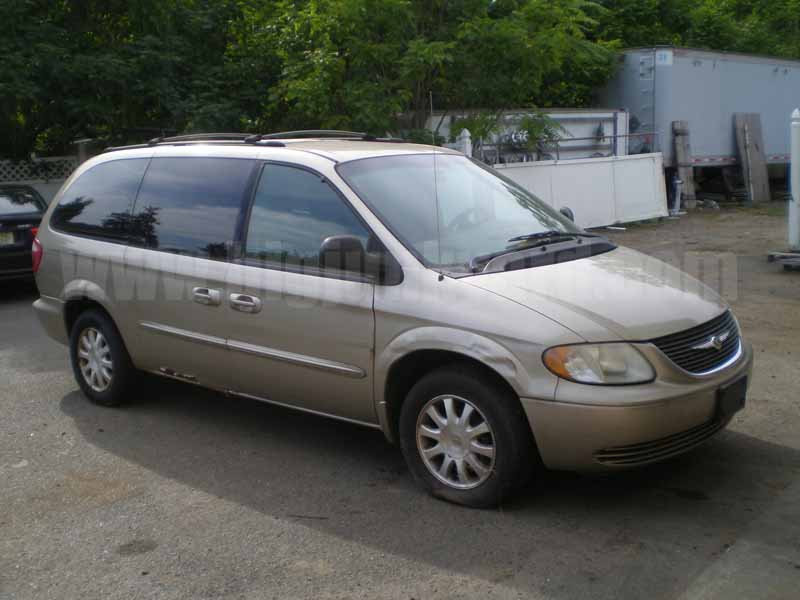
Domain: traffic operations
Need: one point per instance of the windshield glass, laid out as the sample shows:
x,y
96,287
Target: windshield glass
x,y
19,201
450,215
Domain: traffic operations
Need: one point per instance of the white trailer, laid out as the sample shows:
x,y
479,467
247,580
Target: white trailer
x,y
664,84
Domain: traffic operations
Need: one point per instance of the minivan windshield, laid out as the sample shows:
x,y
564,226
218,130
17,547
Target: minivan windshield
x,y
451,210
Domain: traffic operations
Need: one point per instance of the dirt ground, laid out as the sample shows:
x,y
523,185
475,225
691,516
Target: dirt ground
x,y
186,494
732,245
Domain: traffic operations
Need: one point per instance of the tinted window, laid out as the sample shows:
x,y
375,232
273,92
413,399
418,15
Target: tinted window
x,y
98,203
18,201
294,211
191,205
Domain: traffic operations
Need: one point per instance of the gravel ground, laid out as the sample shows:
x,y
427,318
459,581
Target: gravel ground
x,y
187,494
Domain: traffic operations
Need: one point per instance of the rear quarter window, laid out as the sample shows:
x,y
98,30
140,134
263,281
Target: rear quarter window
x,y
98,203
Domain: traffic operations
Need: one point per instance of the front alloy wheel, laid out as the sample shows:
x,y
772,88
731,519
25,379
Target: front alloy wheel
x,y
455,442
465,436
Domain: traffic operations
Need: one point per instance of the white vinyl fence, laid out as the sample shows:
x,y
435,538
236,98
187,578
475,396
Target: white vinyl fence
x,y
45,175
600,191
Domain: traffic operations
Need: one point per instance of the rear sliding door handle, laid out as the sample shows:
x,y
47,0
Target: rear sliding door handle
x,y
245,303
207,296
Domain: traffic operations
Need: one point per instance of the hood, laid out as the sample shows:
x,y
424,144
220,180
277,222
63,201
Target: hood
x,y
619,295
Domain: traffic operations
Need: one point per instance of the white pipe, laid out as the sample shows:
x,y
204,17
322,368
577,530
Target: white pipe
x,y
794,200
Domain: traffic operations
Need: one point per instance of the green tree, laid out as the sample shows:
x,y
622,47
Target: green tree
x,y
123,71
363,63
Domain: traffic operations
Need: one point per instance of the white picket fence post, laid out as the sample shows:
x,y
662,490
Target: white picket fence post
x,y
794,200
464,142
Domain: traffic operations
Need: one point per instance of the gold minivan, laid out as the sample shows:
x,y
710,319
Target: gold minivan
x,y
399,286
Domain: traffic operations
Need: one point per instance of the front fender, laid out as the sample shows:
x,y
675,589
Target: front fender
x,y
489,352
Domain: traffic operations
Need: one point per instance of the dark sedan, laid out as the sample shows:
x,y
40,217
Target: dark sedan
x,y
21,210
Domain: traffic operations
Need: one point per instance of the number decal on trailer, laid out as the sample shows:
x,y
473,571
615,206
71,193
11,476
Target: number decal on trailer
x,y
664,58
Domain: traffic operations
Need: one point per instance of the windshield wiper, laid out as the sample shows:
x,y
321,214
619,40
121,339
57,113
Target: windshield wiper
x,y
476,261
551,233
533,240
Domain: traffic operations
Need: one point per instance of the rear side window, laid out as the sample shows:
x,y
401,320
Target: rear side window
x,y
15,201
191,206
293,212
98,203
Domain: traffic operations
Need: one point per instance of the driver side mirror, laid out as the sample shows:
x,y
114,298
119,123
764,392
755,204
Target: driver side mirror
x,y
346,253
342,252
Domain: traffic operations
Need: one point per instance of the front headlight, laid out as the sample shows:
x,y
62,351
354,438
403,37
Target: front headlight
x,y
600,364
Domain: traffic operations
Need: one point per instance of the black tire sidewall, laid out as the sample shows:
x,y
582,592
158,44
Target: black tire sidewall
x,y
514,459
116,393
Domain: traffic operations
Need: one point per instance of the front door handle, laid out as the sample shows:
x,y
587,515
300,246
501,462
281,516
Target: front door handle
x,y
245,303
207,296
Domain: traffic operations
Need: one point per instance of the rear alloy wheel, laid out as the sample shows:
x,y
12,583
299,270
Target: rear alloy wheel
x,y
100,362
465,437
94,359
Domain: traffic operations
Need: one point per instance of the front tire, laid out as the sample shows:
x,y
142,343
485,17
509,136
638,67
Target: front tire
x,y
465,438
100,362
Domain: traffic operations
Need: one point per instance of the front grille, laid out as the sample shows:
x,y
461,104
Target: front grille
x,y
679,347
660,449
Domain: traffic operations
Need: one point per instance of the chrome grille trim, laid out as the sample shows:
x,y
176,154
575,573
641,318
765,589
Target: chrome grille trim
x,y
678,347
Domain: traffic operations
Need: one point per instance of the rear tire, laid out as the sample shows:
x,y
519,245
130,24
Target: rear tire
x,y
100,362
465,438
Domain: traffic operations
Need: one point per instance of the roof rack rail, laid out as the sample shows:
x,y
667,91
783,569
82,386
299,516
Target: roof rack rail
x,y
315,133
323,133
262,139
198,137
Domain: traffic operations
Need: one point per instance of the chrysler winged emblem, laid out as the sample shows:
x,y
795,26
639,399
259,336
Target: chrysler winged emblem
x,y
715,342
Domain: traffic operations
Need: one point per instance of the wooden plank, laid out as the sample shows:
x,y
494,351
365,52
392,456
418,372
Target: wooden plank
x,y
750,140
683,157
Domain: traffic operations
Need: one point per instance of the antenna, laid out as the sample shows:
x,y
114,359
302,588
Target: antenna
x,y
433,131
436,194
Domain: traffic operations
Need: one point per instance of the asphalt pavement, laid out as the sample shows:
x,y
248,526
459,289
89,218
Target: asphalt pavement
x,y
189,494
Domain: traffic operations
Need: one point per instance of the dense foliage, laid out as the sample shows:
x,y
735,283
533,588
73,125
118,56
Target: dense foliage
x,y
124,71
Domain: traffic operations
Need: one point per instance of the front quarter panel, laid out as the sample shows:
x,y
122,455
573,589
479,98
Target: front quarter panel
x,y
426,313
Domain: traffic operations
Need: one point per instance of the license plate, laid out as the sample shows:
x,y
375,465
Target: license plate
x,y
6,238
731,397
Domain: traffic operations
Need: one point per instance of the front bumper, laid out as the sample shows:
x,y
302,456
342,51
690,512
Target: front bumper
x,y
598,428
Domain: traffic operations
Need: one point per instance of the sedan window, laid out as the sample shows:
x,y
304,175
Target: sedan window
x,y
18,202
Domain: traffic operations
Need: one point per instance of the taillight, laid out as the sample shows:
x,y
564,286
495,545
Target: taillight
x,y
34,231
37,253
